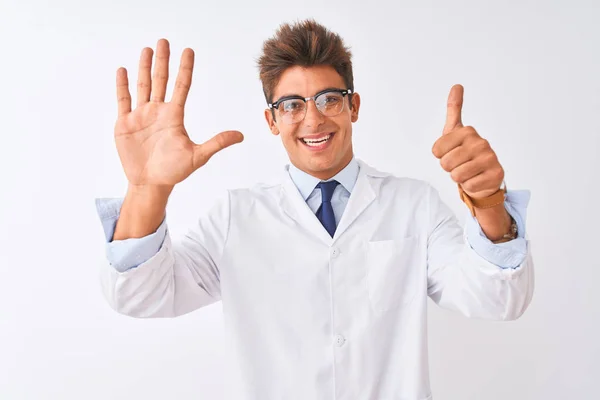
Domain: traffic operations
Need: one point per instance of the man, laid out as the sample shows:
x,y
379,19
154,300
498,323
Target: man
x,y
324,278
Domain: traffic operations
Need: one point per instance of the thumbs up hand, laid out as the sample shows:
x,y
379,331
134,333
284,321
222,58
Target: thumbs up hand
x,y
467,156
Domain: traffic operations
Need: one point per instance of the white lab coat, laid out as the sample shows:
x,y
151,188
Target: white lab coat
x,y
315,317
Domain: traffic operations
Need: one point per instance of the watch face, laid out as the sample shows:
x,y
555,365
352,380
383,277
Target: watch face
x,y
513,229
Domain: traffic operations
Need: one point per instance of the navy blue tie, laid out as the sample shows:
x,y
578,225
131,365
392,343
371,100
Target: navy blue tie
x,y
325,211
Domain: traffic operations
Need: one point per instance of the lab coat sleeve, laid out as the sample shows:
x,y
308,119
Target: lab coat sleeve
x,y
182,276
460,279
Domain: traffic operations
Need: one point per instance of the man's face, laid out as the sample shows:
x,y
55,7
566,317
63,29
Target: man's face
x,y
320,159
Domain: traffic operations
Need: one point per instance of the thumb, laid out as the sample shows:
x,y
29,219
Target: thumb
x,y
453,114
203,152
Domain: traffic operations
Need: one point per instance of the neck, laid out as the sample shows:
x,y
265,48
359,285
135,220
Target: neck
x,y
330,173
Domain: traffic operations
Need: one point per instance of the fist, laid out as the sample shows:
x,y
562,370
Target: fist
x,y
467,156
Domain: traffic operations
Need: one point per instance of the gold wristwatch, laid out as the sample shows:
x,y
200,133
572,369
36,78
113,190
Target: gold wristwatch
x,y
488,202
512,233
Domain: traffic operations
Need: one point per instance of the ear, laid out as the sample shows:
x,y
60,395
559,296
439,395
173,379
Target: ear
x,y
354,107
271,122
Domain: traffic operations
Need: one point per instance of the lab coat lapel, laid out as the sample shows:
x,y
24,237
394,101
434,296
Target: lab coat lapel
x,y
364,193
295,207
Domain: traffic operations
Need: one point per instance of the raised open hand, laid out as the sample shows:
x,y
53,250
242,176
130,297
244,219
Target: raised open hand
x,y
153,145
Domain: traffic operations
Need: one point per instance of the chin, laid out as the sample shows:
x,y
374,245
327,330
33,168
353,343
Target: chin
x,y
321,163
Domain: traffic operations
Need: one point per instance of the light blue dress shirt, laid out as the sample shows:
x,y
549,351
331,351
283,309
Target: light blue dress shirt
x,y
129,253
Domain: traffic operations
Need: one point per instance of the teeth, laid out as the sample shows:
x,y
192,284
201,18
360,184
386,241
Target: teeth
x,y
316,142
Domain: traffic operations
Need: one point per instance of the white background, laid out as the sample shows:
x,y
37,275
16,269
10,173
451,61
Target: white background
x,y
531,73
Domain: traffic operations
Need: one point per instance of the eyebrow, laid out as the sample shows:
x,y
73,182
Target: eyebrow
x,y
297,95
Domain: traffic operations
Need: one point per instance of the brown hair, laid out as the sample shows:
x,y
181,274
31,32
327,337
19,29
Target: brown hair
x,y
305,43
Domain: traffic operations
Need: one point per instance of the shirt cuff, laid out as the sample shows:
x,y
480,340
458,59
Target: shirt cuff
x,y
508,254
128,253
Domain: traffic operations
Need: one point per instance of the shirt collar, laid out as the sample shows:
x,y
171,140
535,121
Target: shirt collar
x,y
306,183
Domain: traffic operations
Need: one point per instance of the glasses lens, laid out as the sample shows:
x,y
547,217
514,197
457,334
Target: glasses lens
x,y
330,104
292,110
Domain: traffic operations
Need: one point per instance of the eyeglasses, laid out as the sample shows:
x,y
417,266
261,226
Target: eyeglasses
x,y
292,109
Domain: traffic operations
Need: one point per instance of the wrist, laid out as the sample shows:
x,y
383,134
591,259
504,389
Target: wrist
x,y
142,211
495,221
149,192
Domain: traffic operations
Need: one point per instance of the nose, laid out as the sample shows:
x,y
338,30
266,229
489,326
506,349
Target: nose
x,y
313,116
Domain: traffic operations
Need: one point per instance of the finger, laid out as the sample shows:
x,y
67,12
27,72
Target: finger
x,y
448,142
455,157
161,71
123,95
184,77
454,111
203,152
483,181
144,80
467,171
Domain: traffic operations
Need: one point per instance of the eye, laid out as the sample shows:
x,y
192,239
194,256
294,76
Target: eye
x,y
329,99
292,105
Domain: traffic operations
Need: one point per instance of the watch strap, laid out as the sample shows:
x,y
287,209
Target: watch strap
x,y
485,202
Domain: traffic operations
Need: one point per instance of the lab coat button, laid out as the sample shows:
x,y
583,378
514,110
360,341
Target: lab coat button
x,y
339,340
335,252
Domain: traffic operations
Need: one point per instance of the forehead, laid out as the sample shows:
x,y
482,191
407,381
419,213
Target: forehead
x,y
306,81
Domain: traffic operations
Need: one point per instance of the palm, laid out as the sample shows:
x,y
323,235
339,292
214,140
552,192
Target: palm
x,y
153,145
152,142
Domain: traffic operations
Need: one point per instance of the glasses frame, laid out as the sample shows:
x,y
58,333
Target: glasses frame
x,y
273,106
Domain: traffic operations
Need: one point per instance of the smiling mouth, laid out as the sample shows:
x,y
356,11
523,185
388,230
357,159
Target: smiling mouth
x,y
317,142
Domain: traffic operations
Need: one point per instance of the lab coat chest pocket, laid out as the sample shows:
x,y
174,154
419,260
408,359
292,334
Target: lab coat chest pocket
x,y
393,270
